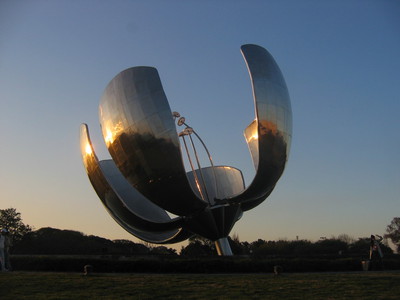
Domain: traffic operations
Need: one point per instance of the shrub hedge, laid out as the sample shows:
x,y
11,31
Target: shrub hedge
x,y
152,264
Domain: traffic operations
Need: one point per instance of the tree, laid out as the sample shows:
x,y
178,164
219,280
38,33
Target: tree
x,y
198,246
11,220
361,247
346,238
162,250
237,247
202,240
393,232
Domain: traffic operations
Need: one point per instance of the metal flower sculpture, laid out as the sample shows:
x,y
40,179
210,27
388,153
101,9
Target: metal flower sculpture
x,y
145,181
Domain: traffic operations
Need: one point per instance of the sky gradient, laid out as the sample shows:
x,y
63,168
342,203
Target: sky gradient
x,y
340,60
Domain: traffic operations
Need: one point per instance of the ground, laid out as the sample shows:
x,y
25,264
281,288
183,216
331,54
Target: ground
x,y
354,285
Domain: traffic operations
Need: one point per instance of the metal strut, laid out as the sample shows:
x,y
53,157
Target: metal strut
x,y
189,131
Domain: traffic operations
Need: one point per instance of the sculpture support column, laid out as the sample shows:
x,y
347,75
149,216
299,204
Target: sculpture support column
x,y
223,247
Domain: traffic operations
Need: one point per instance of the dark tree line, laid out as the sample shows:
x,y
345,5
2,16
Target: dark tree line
x,y
25,240
68,242
298,248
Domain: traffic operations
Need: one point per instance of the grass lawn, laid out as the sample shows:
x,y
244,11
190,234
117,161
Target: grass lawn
x,y
367,285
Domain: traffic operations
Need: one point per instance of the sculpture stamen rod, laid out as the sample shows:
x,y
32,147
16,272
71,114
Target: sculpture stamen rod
x,y
146,177
200,186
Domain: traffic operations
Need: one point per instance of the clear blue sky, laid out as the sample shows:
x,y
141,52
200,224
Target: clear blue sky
x,y
341,64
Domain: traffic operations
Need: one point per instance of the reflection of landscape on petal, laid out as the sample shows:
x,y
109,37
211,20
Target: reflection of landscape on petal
x,y
272,148
154,167
272,158
128,207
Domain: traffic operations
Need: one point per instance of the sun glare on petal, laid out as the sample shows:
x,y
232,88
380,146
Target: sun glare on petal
x,y
109,137
254,136
88,149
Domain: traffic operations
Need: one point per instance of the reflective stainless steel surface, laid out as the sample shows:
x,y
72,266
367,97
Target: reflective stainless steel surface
x,y
251,136
223,247
214,222
146,176
270,143
140,134
129,208
221,182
